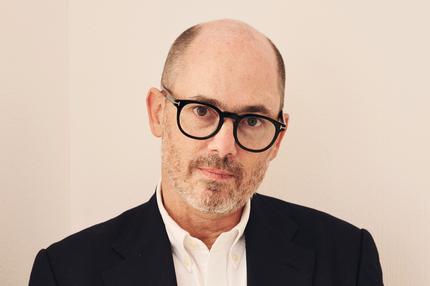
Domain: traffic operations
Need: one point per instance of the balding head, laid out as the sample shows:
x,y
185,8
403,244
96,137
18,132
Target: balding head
x,y
228,40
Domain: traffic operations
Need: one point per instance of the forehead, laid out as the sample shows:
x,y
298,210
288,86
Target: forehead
x,y
234,74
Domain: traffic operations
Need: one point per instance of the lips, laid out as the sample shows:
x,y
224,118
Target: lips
x,y
217,174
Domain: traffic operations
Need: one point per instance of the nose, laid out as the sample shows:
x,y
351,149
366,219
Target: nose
x,y
223,142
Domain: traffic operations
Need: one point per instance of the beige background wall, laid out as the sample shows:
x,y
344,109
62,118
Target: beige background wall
x,y
75,147
34,133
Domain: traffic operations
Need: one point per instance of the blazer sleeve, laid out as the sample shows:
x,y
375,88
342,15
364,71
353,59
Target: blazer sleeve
x,y
42,274
369,272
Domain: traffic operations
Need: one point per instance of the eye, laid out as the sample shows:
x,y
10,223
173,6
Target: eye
x,y
253,121
201,110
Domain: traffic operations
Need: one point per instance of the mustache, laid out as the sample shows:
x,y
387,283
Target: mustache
x,y
214,161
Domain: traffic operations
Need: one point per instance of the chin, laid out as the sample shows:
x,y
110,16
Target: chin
x,y
213,201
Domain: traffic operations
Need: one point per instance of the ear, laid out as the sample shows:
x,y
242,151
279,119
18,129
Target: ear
x,y
155,103
274,150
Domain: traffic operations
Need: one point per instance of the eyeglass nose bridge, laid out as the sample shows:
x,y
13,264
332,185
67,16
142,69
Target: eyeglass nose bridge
x,y
225,114
235,118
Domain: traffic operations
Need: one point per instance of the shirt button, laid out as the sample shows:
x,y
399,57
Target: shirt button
x,y
235,258
188,264
190,243
193,244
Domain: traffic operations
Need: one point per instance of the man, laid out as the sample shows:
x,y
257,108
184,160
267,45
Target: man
x,y
219,115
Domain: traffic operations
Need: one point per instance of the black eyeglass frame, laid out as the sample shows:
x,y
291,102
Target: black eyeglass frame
x,y
181,103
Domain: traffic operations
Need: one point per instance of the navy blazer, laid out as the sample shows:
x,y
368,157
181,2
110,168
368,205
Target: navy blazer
x,y
286,244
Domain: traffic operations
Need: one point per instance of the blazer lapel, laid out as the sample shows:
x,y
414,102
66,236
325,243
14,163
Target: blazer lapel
x,y
145,251
272,257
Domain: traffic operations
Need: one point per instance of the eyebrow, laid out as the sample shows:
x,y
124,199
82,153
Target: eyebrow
x,y
245,109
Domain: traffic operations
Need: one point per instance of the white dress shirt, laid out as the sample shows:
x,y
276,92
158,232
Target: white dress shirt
x,y
195,264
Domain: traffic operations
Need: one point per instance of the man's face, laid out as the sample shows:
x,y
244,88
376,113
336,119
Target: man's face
x,y
215,175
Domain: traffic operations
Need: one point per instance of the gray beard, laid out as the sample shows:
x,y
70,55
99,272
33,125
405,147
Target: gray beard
x,y
209,196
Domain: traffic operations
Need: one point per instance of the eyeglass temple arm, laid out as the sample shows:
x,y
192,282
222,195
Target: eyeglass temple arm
x,y
168,96
281,118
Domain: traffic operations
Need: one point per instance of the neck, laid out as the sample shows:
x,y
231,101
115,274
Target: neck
x,y
206,227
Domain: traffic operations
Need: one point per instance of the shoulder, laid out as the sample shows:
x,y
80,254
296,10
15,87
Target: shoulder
x,y
331,238
342,251
96,239
82,256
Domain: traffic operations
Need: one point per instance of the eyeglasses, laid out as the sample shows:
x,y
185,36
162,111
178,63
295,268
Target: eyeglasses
x,y
200,120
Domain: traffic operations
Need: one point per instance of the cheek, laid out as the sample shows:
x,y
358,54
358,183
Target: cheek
x,y
256,166
177,149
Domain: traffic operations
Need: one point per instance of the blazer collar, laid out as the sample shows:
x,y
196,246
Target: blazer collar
x,y
271,254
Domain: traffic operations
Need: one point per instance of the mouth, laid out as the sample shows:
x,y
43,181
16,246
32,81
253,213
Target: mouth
x,y
216,174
